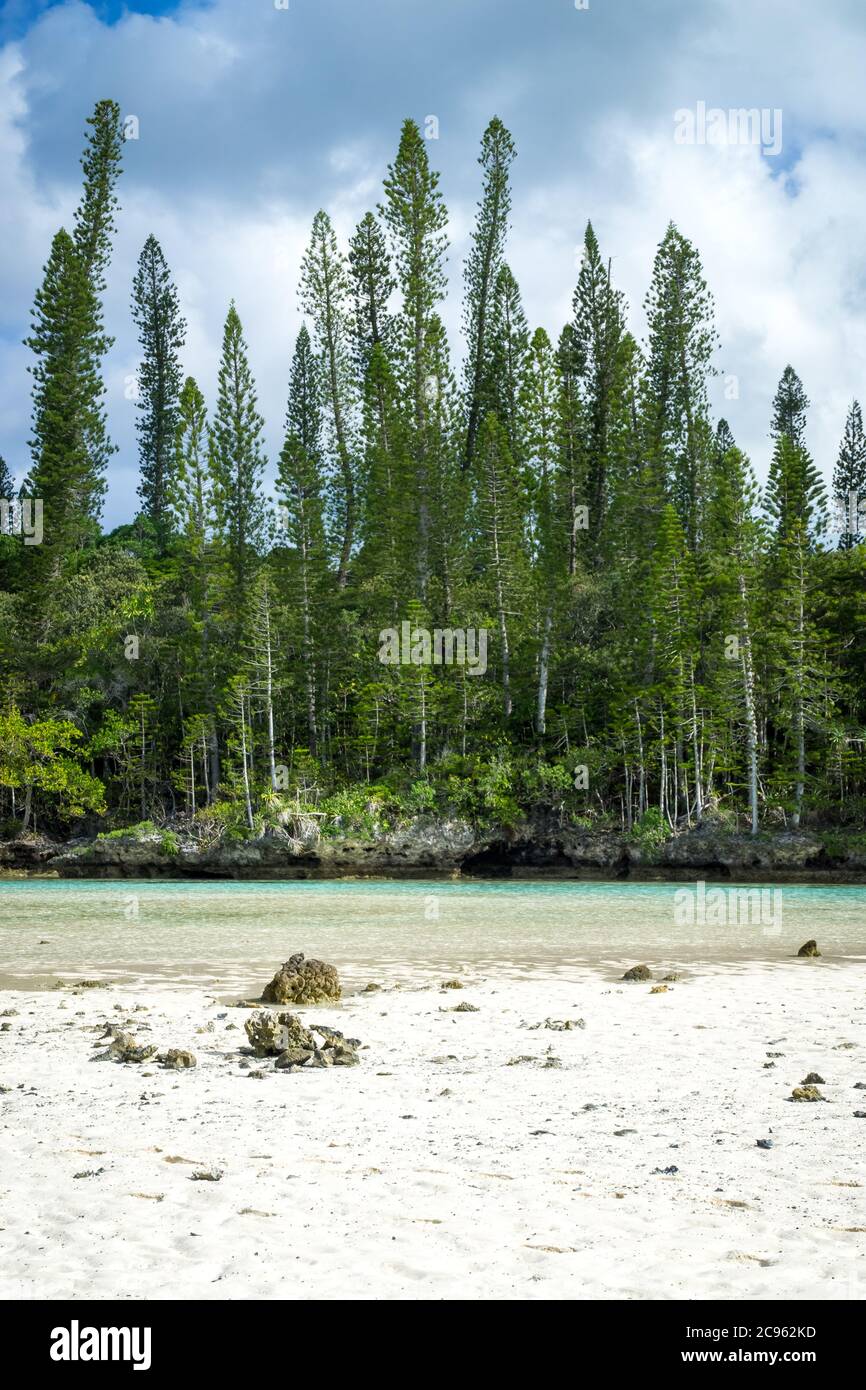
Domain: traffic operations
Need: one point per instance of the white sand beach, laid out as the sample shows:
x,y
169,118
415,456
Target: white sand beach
x,y
436,1170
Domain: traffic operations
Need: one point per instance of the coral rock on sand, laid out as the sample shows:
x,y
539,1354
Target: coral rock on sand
x,y
638,972
659,989
806,1093
452,984
336,1051
176,1059
125,1048
270,1034
813,1079
285,1036
300,981
809,948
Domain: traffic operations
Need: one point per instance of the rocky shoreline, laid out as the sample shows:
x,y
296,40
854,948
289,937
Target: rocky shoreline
x,y
433,848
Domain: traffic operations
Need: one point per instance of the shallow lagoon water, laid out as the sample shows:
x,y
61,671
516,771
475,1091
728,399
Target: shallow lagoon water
x,y
232,935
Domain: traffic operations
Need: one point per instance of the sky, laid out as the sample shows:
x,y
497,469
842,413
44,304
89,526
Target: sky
x,y
253,114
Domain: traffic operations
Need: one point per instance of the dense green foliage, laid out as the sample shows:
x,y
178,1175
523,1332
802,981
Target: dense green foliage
x,y
661,638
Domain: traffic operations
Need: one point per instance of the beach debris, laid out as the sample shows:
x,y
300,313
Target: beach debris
x,y
860,1114
451,984
302,981
860,1085
620,1133
768,1066
775,1054
296,1047
638,972
293,1057
124,1047
765,1143
666,1172
9,1013
462,1008
271,1034
5,1027
371,988
673,978
557,1025
813,1079
521,1060
844,1047
659,989
248,1004
809,948
206,1175
441,1060
255,1076
177,1059
89,1173
806,1093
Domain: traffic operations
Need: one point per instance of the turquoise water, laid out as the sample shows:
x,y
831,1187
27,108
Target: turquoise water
x,y
232,935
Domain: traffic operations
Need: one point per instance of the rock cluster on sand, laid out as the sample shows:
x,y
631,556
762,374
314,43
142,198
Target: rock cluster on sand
x,y
284,1036
271,1034
638,972
124,1047
809,948
176,1059
301,981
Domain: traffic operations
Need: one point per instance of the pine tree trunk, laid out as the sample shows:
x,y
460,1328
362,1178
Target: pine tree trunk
x,y
749,697
543,673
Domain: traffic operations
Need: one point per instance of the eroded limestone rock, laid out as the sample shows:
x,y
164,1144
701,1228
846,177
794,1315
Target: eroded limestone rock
x,y
809,948
301,981
270,1034
638,972
177,1059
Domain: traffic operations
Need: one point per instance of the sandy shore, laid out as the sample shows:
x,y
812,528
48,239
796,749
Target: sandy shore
x,y
435,1169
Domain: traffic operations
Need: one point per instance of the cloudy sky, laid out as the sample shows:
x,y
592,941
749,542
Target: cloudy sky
x,y
252,116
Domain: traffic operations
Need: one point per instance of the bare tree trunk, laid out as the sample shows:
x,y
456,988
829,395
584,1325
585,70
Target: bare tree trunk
x,y
749,696
543,673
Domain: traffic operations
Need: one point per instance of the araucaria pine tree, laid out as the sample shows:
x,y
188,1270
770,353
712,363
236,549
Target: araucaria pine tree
x,y
236,465
161,333
849,481
682,340
70,445
304,570
415,215
481,271
325,296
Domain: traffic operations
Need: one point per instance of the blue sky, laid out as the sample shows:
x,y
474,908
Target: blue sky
x,y
252,117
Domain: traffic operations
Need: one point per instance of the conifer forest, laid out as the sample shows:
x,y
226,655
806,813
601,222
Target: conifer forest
x,y
532,578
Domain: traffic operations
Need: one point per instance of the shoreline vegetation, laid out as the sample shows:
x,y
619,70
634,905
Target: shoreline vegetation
x,y
428,848
538,590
